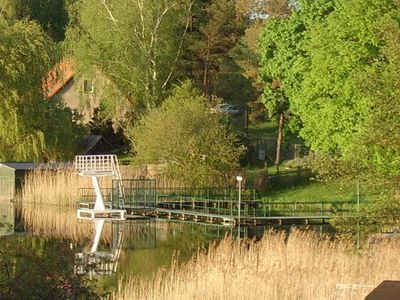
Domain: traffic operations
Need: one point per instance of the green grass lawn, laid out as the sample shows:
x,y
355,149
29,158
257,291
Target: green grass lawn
x,y
308,192
314,192
263,130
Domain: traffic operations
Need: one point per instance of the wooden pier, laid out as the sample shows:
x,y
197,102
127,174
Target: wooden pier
x,y
226,220
137,198
215,216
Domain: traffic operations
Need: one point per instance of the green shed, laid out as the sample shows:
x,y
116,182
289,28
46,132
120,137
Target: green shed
x,y
7,218
12,176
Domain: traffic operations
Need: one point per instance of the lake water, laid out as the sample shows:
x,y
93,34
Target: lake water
x,y
43,249
45,252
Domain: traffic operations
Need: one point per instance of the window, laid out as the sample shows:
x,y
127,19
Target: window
x,y
88,86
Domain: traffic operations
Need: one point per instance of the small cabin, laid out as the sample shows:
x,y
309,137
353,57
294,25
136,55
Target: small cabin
x,y
7,218
12,176
95,145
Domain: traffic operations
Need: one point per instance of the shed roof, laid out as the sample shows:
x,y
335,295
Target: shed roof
x,y
91,140
32,166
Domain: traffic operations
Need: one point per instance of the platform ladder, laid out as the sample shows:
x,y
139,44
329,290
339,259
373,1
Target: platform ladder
x,y
97,166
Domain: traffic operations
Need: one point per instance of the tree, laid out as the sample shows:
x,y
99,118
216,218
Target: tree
x,y
185,136
50,14
32,128
340,49
100,124
285,63
134,45
376,145
257,14
343,84
213,33
278,49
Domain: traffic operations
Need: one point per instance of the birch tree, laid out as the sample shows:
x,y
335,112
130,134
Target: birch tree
x,y
135,45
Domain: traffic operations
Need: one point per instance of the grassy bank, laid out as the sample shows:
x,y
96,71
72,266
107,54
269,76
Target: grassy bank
x,y
298,267
313,192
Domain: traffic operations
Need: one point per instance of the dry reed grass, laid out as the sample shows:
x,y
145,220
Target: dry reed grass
x,y
47,203
299,266
55,220
60,187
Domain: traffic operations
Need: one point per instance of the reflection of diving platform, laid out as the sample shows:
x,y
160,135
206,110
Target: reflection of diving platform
x,y
109,240
101,262
100,166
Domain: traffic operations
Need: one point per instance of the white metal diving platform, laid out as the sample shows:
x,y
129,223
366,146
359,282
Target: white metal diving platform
x,y
99,166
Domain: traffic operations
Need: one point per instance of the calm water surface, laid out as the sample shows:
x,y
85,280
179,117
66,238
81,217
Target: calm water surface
x,y
46,253
44,249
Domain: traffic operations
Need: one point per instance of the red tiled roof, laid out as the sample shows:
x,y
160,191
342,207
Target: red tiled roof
x,y
58,77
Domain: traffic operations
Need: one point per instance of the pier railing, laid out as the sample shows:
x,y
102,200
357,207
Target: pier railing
x,y
141,194
253,208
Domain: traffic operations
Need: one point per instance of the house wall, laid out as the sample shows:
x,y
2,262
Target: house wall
x,y
74,97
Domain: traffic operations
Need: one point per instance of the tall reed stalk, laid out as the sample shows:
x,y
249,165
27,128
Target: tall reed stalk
x,y
60,187
298,266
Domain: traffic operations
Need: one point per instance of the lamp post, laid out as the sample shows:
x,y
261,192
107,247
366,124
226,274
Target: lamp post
x,y
239,180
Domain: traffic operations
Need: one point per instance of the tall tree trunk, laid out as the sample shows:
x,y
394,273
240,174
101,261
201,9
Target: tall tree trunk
x,y
279,141
205,78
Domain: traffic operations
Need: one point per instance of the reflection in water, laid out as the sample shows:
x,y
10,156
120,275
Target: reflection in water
x,y
139,247
154,244
113,248
7,218
144,245
101,262
37,267
58,221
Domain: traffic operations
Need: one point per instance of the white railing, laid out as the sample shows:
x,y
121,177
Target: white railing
x,y
97,165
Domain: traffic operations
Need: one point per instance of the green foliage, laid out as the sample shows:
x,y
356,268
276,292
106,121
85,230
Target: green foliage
x,y
188,139
340,47
376,145
50,14
32,128
334,65
102,125
35,268
213,35
282,55
132,45
62,134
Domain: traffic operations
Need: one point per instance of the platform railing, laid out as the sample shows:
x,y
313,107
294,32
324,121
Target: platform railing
x,y
98,165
